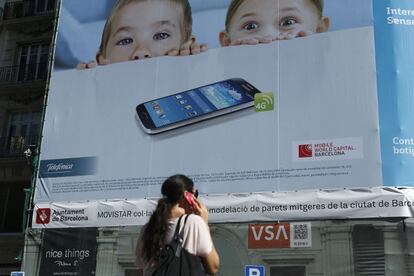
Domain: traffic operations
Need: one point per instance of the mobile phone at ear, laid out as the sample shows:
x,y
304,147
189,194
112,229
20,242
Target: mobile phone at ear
x,y
195,105
189,198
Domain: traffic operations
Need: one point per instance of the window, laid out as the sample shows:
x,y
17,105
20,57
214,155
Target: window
x,y
133,272
33,61
42,6
368,250
22,8
4,196
23,131
287,271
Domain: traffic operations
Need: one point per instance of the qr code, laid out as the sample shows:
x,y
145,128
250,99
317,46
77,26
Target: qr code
x,y
301,233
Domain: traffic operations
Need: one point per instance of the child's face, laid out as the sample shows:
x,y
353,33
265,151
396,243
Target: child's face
x,y
273,19
143,30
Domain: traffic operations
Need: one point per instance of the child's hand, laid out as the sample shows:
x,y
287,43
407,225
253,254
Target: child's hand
x,y
86,65
189,48
91,64
252,41
269,39
295,34
244,41
192,48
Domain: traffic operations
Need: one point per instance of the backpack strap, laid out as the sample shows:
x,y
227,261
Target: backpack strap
x,y
177,233
178,237
185,221
177,228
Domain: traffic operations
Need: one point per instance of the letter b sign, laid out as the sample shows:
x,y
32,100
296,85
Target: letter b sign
x,y
255,270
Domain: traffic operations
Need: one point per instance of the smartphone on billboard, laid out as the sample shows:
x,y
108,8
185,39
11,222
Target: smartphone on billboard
x,y
195,105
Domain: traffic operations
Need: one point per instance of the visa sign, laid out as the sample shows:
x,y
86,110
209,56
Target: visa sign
x,y
274,235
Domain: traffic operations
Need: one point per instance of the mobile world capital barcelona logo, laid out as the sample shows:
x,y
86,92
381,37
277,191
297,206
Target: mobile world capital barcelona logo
x,y
264,102
305,151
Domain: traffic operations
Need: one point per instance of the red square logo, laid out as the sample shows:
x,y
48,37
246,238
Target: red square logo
x,y
305,151
43,216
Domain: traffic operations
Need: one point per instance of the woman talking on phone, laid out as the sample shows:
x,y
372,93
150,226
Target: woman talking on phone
x,y
179,205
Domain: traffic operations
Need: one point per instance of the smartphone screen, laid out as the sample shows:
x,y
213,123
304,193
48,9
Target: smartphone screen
x,y
193,105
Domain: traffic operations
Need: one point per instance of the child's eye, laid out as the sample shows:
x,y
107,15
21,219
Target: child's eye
x,y
161,36
250,26
286,22
125,41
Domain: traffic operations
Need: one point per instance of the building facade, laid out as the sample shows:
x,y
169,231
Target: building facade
x,y
338,248
26,30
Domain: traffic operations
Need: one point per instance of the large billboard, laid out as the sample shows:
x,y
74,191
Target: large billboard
x,y
243,96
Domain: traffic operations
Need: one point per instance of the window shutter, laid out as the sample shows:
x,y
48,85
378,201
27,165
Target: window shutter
x,y
369,251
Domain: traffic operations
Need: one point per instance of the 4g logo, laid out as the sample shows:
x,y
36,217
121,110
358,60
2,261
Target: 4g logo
x,y
264,102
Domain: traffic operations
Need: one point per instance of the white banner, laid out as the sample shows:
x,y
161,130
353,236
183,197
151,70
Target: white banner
x,y
281,206
94,148
282,115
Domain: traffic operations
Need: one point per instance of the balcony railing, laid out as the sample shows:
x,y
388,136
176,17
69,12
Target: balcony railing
x,y
21,74
16,145
24,8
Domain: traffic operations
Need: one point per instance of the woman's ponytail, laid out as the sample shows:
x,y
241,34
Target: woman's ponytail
x,y
153,236
154,231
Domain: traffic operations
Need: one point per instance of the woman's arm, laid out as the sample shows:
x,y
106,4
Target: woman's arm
x,y
211,262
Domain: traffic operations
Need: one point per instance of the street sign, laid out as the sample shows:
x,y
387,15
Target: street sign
x,y
255,270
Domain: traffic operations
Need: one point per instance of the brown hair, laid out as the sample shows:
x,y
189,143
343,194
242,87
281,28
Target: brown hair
x,y
186,26
235,4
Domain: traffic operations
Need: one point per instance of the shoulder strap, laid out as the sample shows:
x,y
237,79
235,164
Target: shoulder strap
x,y
178,237
185,221
177,233
177,228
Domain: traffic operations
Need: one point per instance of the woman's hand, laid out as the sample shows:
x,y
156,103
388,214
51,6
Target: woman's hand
x,y
201,210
